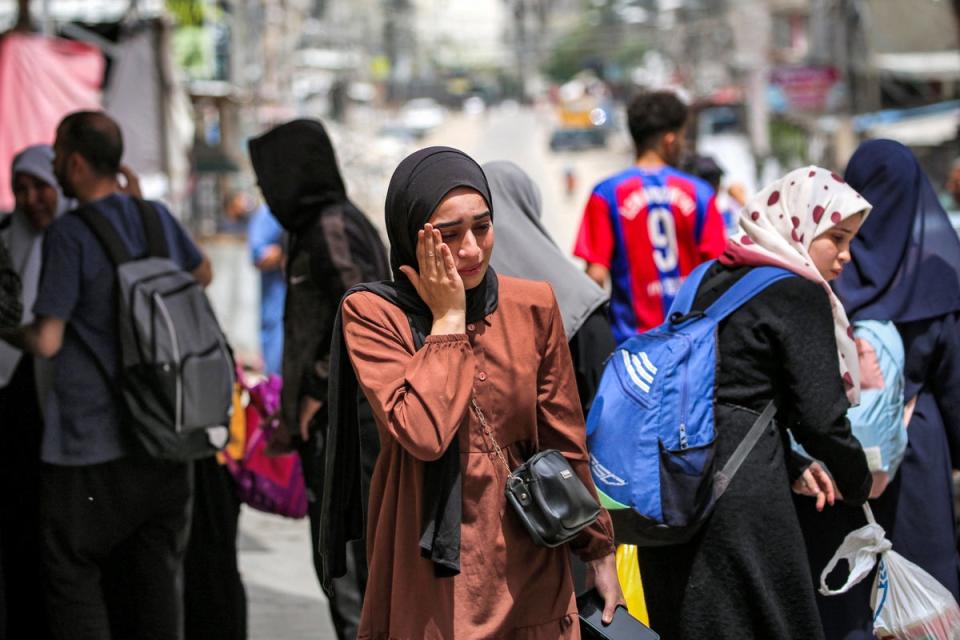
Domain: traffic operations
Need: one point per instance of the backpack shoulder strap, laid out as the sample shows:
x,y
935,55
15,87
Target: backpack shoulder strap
x,y
688,290
756,280
722,478
111,241
152,229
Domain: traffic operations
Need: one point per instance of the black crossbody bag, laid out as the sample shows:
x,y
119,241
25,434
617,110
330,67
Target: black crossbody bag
x,y
548,497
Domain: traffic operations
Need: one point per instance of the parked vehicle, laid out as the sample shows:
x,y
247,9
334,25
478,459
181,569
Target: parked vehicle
x,y
421,115
577,139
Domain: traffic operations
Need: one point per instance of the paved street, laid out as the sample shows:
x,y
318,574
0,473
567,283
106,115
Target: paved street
x,y
285,602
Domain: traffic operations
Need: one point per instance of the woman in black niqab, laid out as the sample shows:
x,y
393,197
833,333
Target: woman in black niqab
x,y
906,257
906,268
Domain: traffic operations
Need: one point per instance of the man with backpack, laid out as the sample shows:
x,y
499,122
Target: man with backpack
x,y
114,519
648,226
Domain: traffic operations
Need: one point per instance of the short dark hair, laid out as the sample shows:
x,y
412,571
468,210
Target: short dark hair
x,y
96,137
652,114
704,167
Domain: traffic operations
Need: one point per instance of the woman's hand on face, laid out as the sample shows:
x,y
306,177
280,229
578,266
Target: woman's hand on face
x,y
603,577
438,283
816,483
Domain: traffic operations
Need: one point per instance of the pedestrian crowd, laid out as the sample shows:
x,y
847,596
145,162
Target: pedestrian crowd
x,y
445,400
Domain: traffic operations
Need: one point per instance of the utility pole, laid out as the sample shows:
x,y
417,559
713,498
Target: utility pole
x,y
530,22
521,45
751,24
398,45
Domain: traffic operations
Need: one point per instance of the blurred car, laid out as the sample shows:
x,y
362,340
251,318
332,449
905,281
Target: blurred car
x,y
720,132
474,106
577,139
397,131
421,115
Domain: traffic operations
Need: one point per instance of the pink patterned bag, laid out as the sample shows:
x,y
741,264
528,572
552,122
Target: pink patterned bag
x,y
273,484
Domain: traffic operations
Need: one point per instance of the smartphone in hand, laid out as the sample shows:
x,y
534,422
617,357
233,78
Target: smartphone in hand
x,y
623,627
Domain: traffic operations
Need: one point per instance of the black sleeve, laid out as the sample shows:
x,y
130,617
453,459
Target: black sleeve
x,y
336,259
797,463
337,264
814,403
590,347
11,300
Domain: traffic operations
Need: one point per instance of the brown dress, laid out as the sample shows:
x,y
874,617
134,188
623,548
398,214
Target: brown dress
x,y
517,363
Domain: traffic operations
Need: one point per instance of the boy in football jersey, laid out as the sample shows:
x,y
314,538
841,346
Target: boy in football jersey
x,y
647,227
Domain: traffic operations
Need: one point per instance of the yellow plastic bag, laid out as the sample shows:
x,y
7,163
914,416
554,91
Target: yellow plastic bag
x,y
628,571
237,444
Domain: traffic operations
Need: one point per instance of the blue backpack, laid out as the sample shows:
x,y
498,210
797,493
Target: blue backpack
x,y
651,431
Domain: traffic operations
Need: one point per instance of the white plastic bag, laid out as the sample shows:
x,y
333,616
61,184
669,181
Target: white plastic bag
x,y
908,603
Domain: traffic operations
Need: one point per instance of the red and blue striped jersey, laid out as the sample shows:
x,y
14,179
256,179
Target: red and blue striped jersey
x,y
650,228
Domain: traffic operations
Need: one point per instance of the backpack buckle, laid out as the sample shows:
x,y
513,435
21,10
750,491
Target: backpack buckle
x,y
679,318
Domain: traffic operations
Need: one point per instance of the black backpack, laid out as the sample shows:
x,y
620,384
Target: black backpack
x,y
176,368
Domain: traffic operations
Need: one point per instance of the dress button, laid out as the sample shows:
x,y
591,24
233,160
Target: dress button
x,y
482,376
471,327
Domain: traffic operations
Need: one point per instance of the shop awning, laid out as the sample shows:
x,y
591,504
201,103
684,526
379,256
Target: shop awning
x,y
915,40
41,80
927,126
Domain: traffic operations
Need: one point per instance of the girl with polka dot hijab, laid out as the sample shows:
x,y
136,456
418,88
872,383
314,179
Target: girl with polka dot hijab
x,y
804,222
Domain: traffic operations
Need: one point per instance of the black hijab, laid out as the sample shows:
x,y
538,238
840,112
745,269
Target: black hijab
x,y
297,172
906,257
418,185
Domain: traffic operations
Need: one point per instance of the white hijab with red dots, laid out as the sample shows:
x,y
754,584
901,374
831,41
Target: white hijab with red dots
x,y
776,228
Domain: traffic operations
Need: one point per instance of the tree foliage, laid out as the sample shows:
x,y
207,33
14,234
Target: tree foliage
x,y
187,12
600,40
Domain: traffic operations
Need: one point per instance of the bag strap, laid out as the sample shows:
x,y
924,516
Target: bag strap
x,y
861,548
152,229
688,290
722,479
756,280
111,241
489,432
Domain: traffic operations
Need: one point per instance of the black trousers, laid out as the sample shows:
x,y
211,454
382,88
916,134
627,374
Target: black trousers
x,y
346,602
213,594
21,602
114,536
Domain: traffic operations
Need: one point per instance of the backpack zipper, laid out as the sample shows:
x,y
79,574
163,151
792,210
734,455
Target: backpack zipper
x,y
178,418
683,400
228,358
230,374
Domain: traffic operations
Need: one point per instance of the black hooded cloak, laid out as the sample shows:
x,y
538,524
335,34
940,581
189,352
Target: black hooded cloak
x,y
332,247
